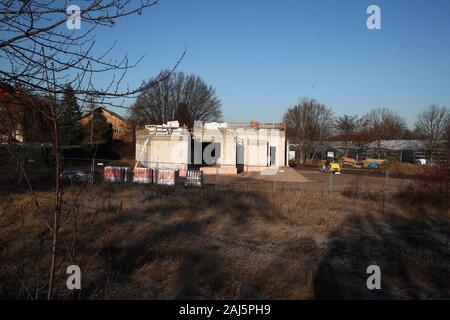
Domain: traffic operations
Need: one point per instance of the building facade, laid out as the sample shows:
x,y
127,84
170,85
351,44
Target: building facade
x,y
22,116
123,130
225,148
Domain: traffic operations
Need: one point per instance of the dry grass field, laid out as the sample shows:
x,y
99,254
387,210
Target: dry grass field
x,y
231,242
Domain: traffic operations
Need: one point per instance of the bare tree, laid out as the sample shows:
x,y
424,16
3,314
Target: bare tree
x,y
159,103
307,124
41,55
447,136
384,124
351,129
432,125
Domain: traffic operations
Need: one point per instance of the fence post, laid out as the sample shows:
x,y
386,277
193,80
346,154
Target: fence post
x,y
155,173
386,187
92,171
330,184
20,171
216,182
273,183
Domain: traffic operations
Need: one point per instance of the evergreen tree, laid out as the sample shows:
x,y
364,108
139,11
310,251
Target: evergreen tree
x,y
102,130
70,130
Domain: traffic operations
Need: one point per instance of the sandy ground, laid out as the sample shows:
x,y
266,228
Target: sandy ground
x,y
280,175
309,180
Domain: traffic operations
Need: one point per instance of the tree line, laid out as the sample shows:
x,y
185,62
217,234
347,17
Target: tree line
x,y
187,98
309,123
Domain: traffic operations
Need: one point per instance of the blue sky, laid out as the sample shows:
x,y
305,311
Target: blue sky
x,y
262,55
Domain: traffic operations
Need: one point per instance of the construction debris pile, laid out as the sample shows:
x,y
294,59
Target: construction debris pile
x,y
367,163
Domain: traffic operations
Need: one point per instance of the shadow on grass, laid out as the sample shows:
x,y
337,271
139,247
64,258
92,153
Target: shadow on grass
x,y
172,232
412,253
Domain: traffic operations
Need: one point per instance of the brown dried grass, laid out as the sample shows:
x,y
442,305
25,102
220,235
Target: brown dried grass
x,y
151,242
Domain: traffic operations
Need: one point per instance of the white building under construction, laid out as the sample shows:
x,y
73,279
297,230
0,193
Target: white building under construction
x,y
224,148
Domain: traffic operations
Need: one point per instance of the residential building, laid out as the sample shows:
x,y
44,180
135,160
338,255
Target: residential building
x,y
225,148
23,117
123,130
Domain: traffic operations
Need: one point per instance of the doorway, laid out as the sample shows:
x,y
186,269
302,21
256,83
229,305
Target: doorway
x,y
273,152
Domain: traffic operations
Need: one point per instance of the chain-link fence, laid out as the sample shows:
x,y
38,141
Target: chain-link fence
x,y
39,170
350,182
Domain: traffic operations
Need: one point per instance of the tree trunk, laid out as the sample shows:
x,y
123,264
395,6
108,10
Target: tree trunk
x,y
57,208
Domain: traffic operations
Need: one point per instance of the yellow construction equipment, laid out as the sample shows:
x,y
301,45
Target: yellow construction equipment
x,y
331,165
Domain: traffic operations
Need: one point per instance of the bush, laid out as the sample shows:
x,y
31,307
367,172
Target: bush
x,y
431,188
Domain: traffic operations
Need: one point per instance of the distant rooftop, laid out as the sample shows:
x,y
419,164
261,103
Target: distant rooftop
x,y
399,144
